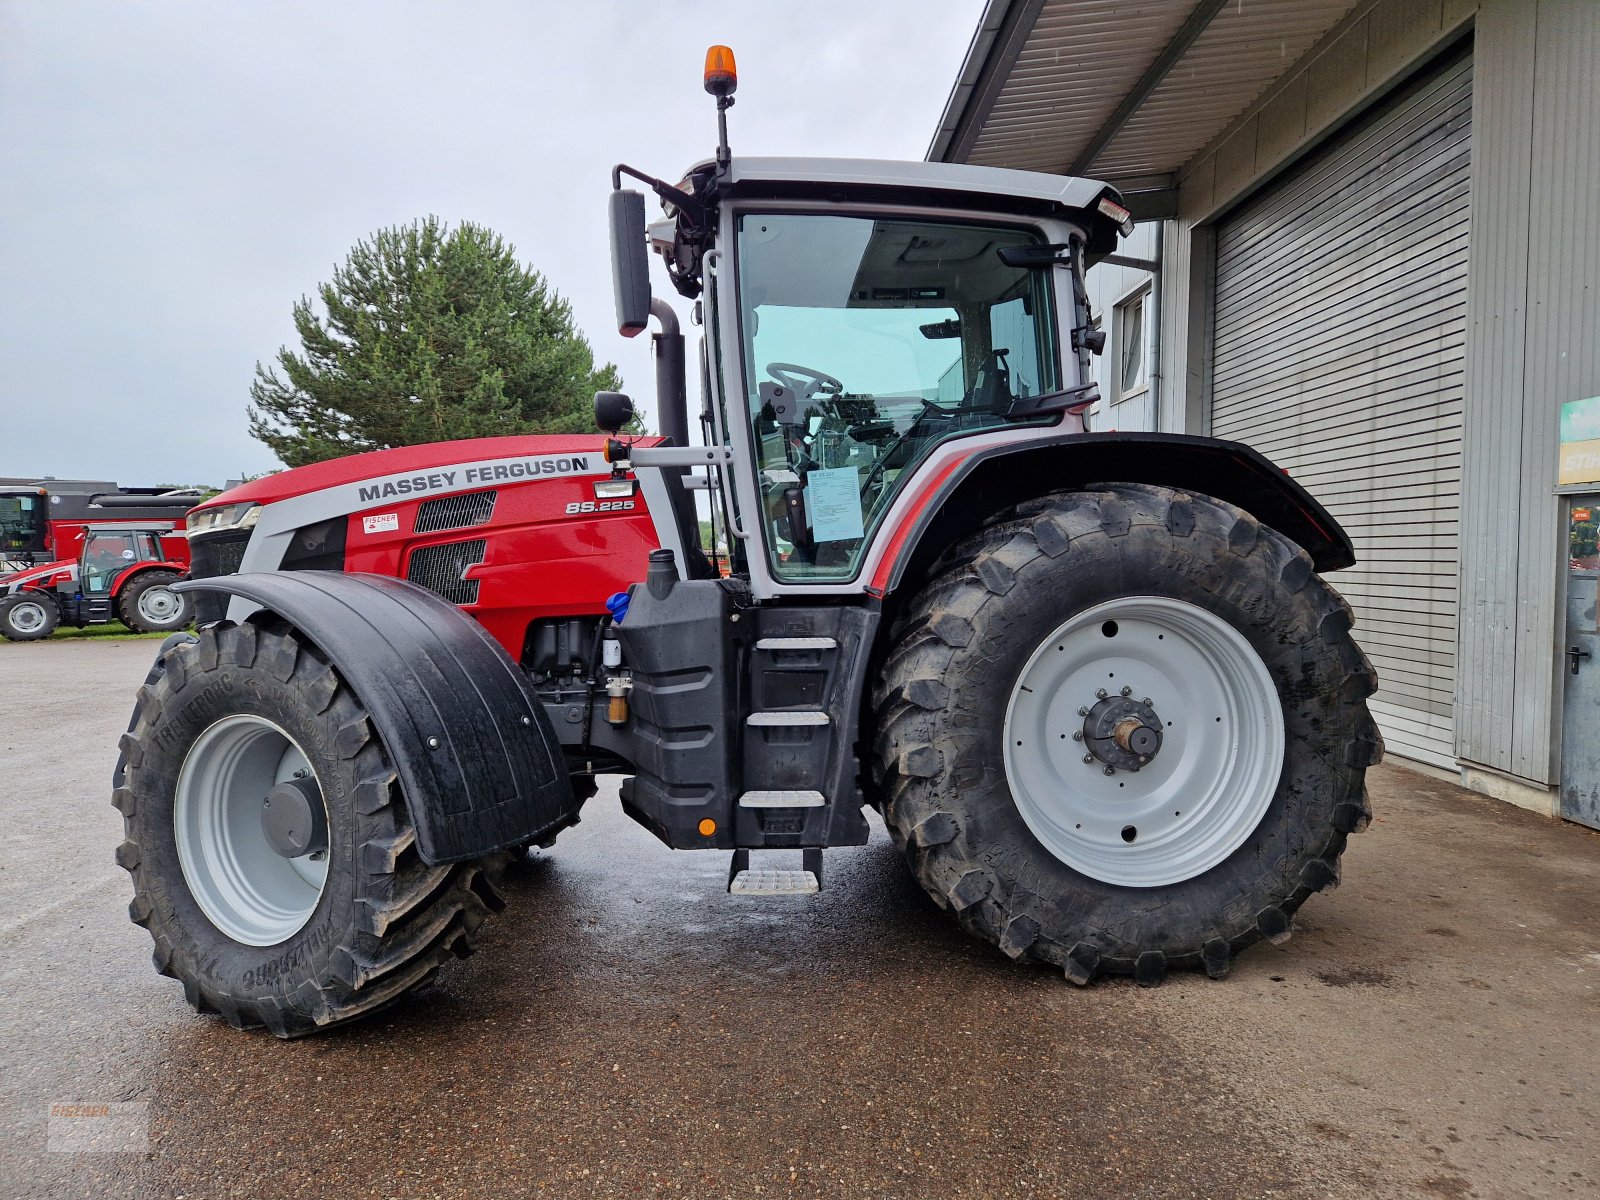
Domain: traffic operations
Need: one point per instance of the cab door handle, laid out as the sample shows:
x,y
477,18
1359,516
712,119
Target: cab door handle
x,y
1577,654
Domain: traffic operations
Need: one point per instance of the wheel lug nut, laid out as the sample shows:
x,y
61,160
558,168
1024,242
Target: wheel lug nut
x,y
1082,711
1088,758
1146,702
1127,691
1077,735
1111,770
1100,693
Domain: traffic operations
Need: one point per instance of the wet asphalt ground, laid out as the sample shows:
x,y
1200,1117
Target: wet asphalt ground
x,y
628,1029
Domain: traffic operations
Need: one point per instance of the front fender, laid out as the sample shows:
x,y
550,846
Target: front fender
x,y
477,760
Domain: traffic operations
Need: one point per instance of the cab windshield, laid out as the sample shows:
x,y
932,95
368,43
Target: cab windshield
x,y
868,342
21,523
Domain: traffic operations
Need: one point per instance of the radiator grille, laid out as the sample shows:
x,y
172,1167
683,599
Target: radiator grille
x,y
219,555
455,512
209,557
439,568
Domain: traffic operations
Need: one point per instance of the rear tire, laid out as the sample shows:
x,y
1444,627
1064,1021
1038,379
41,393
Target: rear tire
x,y
149,605
378,925
1246,660
26,617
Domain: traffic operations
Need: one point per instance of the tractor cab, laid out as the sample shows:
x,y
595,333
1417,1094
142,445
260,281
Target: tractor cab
x,y
866,324
24,522
109,551
125,571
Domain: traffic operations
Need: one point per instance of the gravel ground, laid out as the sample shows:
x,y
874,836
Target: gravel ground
x,y
627,1028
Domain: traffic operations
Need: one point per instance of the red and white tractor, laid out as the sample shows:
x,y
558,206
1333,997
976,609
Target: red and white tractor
x,y
1094,683
124,571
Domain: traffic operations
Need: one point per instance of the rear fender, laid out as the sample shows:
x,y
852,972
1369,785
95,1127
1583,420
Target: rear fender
x,y
479,765
129,574
995,479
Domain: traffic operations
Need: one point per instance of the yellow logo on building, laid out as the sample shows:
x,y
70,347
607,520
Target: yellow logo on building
x,y
1580,442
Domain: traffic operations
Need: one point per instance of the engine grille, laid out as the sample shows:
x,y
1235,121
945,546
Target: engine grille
x,y
439,569
455,512
218,555
209,557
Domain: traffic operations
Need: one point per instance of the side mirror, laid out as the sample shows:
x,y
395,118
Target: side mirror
x,y
630,261
612,410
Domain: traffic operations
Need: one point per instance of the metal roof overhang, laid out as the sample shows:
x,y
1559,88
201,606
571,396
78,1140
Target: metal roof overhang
x,y
1124,92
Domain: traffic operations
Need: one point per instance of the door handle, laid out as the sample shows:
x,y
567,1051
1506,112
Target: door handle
x,y
1577,654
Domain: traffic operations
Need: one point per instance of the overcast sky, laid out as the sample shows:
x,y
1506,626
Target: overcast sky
x,y
175,175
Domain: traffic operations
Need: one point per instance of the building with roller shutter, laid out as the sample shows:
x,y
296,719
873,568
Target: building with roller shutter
x,y
1368,247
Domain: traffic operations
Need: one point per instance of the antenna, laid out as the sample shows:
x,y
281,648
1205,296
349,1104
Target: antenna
x,y
722,77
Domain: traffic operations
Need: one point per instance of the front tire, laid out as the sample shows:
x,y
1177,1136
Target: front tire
x,y
301,943
1125,731
27,617
149,605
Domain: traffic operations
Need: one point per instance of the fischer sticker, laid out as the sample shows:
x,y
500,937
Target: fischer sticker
x,y
381,523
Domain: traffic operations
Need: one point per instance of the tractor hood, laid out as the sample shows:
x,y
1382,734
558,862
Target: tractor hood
x,y
46,576
402,460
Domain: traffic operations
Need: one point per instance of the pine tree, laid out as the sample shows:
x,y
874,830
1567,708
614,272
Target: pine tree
x,y
427,334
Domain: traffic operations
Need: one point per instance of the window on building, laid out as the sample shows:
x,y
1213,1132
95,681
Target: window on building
x,y
1130,326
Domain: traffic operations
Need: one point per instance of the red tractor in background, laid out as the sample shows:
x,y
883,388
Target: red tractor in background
x,y
124,571
1093,683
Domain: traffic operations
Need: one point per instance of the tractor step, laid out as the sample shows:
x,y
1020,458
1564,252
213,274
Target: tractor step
x,y
782,799
782,719
797,643
743,881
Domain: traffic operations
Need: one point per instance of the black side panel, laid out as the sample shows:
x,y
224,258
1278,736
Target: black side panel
x,y
479,765
995,479
685,711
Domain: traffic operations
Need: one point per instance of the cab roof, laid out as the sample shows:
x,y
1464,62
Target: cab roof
x,y
936,184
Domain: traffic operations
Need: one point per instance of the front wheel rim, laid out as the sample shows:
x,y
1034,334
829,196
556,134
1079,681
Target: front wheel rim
x,y
244,887
1200,796
28,617
159,605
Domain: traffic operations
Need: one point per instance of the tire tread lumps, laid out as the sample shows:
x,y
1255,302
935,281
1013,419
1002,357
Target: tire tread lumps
x,y
407,920
923,716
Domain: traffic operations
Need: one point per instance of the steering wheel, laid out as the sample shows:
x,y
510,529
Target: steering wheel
x,y
795,377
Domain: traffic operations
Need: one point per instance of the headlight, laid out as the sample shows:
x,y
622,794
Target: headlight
x,y
226,516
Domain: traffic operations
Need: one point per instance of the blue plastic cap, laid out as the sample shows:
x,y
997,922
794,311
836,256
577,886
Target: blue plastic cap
x,y
617,606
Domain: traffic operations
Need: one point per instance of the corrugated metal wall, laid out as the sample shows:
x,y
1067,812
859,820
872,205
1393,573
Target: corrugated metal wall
x,y
1340,320
1534,343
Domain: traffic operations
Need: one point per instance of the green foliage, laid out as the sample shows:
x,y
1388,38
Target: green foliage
x,y
427,334
1585,539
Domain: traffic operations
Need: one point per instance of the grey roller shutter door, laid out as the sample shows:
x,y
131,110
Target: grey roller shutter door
x,y
1339,353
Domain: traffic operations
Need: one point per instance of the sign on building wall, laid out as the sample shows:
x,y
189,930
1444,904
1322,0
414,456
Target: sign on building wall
x,y
1580,441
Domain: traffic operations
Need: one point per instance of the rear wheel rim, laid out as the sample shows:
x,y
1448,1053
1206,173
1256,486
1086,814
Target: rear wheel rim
x,y
1206,789
244,887
159,605
28,617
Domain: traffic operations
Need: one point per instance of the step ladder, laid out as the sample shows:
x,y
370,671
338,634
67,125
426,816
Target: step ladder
x,y
743,880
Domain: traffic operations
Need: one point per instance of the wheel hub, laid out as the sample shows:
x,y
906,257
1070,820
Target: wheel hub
x,y
28,617
159,604
1118,790
293,819
1122,732
241,865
